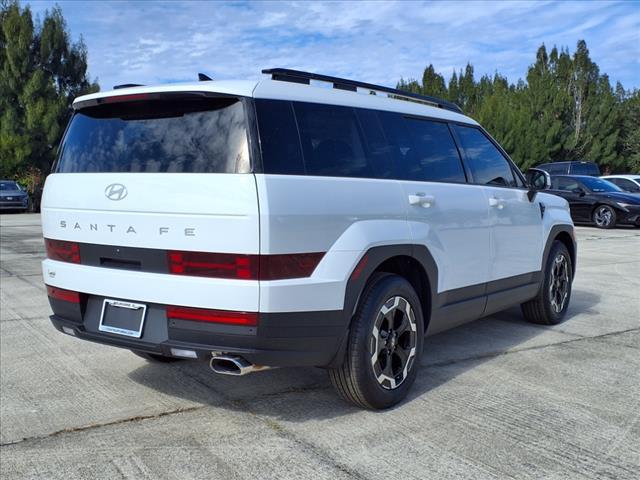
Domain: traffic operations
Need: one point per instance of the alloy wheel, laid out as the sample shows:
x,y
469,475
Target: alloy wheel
x,y
393,342
603,216
559,283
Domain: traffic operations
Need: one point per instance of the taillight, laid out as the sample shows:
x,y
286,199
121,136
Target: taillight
x,y
249,319
62,294
290,265
62,251
242,266
218,265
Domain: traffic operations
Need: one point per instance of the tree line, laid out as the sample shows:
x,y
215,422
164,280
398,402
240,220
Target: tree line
x,y
565,110
41,72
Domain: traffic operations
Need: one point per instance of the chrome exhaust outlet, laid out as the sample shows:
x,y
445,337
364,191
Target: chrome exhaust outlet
x,y
233,365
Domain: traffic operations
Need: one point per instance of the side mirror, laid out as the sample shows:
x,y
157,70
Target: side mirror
x,y
538,180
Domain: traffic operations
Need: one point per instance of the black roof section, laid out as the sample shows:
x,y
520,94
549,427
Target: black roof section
x,y
297,76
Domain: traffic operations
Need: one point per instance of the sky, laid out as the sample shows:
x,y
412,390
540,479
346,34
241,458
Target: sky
x,y
153,42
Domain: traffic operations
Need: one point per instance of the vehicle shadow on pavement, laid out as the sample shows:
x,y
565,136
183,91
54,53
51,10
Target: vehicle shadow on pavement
x,y
302,394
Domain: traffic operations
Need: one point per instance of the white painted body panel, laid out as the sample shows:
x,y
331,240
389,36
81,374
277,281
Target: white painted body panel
x,y
516,232
454,228
200,212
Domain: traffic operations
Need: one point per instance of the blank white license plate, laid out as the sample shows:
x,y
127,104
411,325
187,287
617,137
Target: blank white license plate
x,y
122,318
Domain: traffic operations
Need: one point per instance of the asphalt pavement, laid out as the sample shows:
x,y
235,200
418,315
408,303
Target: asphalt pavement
x,y
497,398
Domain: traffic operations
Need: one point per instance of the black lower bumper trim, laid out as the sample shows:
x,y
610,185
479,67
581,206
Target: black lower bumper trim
x,y
267,347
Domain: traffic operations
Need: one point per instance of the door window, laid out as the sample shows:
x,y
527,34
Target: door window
x,y
331,141
488,166
565,184
428,152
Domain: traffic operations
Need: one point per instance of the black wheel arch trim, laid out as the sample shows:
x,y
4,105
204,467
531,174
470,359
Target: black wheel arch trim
x,y
375,257
555,231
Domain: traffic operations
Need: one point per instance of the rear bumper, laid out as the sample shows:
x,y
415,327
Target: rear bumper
x,y
280,340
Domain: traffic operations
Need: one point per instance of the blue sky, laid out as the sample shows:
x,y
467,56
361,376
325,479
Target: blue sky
x,y
157,42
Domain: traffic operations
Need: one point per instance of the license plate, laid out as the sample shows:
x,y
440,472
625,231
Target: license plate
x,y
122,318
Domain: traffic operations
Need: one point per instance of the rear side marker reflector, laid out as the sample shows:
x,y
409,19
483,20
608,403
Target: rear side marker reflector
x,y
62,294
62,251
249,319
243,267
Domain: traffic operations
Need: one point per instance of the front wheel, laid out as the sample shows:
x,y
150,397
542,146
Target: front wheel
x,y
550,305
385,344
604,216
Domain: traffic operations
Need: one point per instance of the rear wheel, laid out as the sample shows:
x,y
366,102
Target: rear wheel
x,y
385,344
550,305
604,216
154,357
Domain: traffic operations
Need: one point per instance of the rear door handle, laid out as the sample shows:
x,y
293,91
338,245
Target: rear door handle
x,y
496,203
422,199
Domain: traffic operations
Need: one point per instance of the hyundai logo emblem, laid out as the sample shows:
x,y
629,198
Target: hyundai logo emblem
x,y
115,191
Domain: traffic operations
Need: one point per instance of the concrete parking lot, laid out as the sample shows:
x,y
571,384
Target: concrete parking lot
x,y
496,398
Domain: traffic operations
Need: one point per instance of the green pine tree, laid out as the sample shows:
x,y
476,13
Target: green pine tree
x,y
41,72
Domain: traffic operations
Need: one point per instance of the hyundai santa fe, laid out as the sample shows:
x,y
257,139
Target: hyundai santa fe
x,y
297,220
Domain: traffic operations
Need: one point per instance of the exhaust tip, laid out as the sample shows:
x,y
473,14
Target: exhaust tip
x,y
232,365
225,366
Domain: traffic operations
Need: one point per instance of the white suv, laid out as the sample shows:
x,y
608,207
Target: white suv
x,y
279,222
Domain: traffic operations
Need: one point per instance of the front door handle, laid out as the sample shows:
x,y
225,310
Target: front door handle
x,y
422,199
496,203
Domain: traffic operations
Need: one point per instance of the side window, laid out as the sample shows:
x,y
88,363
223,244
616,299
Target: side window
x,y
279,141
564,183
488,166
557,169
378,150
429,153
625,184
331,141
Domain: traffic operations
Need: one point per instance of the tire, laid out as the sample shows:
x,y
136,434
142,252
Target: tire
x,y
549,307
604,216
154,357
384,381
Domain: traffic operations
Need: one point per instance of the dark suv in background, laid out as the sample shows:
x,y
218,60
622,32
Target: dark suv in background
x,y
571,168
12,196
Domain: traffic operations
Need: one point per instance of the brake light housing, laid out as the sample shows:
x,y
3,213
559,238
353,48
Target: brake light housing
x,y
243,266
62,294
247,319
62,251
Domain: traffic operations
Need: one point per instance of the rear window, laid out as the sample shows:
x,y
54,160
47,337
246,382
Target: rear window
x,y
199,135
585,169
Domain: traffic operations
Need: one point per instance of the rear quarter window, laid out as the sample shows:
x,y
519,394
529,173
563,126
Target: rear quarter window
x,y
199,135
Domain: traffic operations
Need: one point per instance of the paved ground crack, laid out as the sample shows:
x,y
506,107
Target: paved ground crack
x,y
92,426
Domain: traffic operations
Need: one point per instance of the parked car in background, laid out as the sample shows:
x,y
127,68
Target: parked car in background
x,y
571,168
12,196
597,201
628,183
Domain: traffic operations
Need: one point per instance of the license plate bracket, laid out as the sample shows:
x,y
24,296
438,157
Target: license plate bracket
x,y
122,318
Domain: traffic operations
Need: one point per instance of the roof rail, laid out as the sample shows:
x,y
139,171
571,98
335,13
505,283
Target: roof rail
x,y
297,76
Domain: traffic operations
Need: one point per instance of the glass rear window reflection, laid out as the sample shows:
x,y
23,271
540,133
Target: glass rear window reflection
x,y
199,136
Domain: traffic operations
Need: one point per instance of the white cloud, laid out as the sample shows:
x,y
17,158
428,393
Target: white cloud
x,y
379,42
